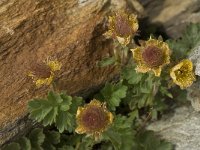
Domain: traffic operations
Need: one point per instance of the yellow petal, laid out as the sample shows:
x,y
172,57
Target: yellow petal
x,y
46,81
123,40
108,34
157,71
80,130
110,117
137,55
30,74
96,103
54,65
142,69
79,111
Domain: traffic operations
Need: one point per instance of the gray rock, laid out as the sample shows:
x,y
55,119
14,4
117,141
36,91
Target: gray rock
x,y
182,128
193,94
173,15
195,58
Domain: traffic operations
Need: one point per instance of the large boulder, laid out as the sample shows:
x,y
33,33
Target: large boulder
x,y
181,128
68,30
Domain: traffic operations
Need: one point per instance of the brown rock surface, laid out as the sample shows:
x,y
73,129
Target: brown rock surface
x,y
33,30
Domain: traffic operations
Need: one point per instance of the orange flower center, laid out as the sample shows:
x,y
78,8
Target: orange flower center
x,y
94,118
122,26
41,70
153,56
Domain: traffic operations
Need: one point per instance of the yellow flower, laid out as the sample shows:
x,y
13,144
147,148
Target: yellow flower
x,y
182,74
152,55
93,119
122,26
43,73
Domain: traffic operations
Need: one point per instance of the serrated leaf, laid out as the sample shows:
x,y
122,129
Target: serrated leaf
x,y
121,134
107,61
67,147
146,87
53,137
76,102
131,75
191,35
54,98
112,94
50,117
134,114
120,91
164,91
67,101
63,121
12,146
48,146
149,141
190,38
142,100
24,143
38,113
37,138
107,90
114,137
54,110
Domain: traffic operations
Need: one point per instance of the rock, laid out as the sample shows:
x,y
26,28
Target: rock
x,y
193,94
173,15
68,30
194,91
195,58
182,128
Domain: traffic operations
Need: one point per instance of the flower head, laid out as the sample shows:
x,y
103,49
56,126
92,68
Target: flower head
x,y
43,73
182,74
93,118
122,26
152,55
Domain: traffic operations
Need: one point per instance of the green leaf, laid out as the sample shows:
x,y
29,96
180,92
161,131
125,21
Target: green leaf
x,y
57,108
37,138
67,101
120,134
77,101
39,108
190,38
106,61
164,91
142,101
12,146
114,137
63,121
66,147
24,143
119,91
134,114
53,137
48,146
149,141
112,94
129,74
54,98
50,117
